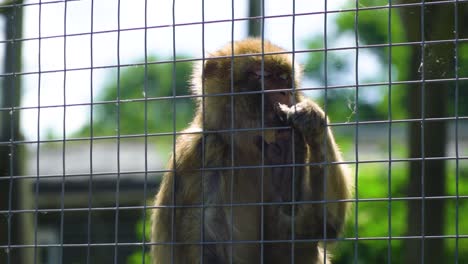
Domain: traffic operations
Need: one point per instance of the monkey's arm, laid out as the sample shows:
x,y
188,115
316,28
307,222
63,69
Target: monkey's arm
x,y
177,217
171,221
325,180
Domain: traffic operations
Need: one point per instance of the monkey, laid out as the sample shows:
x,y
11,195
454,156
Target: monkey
x,y
257,176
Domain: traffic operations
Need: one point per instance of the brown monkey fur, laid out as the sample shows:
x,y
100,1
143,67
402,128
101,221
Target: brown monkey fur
x,y
230,202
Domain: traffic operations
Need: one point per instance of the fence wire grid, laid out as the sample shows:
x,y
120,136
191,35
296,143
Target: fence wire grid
x,y
93,95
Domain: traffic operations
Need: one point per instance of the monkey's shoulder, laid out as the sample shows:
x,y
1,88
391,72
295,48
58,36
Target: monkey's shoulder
x,y
195,146
195,137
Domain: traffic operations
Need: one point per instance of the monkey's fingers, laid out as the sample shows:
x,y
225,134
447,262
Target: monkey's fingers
x,y
309,116
309,120
283,112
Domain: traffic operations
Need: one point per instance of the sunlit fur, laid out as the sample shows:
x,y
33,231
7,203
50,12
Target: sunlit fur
x,y
233,158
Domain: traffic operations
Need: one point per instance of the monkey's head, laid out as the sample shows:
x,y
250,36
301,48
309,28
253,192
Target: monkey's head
x,y
242,83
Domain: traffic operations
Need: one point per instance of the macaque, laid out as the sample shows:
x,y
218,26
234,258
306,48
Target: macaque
x,y
257,177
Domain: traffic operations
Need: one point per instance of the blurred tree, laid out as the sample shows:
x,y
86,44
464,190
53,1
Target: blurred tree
x,y
15,228
161,88
332,63
430,61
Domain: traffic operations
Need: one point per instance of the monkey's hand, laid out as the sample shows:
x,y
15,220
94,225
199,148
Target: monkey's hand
x,y
310,121
307,117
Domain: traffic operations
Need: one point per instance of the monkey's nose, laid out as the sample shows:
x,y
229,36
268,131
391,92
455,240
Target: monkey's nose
x,y
283,97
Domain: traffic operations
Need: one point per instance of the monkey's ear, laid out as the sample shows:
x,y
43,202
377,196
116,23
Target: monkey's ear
x,y
210,67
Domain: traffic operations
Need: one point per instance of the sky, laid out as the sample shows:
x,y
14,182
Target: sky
x,y
55,87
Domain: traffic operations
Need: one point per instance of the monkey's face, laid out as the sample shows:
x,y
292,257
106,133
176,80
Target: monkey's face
x,y
273,82
244,90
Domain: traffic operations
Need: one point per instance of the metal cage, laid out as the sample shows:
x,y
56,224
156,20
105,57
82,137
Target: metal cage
x,y
93,95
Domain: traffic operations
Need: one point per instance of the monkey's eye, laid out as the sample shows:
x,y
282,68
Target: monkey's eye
x,y
284,76
264,73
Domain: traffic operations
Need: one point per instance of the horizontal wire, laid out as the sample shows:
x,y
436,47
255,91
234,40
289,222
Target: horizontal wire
x,y
246,204
205,205
35,4
194,96
341,10
101,174
180,60
218,21
179,133
331,240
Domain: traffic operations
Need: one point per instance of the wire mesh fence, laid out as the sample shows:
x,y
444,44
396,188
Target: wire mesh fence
x,y
96,97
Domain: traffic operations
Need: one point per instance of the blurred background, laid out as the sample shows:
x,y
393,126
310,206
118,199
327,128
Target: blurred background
x,y
87,120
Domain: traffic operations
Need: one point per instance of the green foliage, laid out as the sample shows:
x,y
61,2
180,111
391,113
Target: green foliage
x,y
137,258
337,67
375,217
375,30
142,227
143,99
462,85
332,63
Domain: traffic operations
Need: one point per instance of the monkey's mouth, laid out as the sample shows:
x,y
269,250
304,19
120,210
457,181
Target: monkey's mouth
x,y
274,116
270,137
270,147
264,140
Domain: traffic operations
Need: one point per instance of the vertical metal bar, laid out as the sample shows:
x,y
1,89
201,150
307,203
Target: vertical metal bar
x,y
293,147
91,139
203,135
174,93
64,134
262,180
325,138
389,33
356,183
36,187
232,131
457,153
117,187
423,119
145,96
